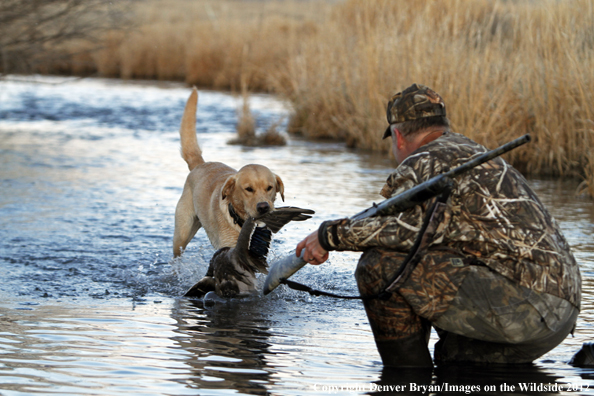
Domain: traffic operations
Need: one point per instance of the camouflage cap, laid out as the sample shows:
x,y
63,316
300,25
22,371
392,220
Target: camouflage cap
x,y
416,101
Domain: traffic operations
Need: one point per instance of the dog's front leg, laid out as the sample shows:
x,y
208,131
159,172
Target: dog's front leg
x,y
187,223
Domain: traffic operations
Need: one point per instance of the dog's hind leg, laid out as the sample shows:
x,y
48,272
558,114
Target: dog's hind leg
x,y
186,223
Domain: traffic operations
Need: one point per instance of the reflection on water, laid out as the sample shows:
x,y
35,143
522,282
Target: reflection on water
x,y
90,174
228,347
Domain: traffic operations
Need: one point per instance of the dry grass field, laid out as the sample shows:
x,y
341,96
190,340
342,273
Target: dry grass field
x,y
219,44
504,68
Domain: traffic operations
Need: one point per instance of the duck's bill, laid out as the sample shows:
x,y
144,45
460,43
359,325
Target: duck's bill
x,y
282,269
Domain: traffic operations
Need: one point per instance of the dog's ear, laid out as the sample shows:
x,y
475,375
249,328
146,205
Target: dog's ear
x,y
228,187
280,187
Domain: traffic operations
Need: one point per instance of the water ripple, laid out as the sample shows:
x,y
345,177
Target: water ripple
x,y
90,174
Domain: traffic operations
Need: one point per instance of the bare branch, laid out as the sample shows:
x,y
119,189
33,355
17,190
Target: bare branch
x,y
36,31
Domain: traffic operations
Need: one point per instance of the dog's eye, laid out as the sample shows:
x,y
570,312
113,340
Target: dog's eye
x,y
249,189
269,188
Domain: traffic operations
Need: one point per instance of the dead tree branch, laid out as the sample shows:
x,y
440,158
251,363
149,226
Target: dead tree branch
x,y
36,31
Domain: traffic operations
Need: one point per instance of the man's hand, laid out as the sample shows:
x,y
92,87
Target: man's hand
x,y
314,252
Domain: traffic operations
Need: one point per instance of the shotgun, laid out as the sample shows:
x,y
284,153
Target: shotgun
x,y
287,266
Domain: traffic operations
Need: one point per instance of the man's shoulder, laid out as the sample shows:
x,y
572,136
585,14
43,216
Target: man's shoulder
x,y
450,149
452,144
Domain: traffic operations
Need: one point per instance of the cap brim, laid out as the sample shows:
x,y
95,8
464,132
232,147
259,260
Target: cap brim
x,y
388,133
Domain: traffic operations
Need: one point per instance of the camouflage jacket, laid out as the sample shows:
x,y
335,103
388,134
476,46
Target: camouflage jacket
x,y
492,216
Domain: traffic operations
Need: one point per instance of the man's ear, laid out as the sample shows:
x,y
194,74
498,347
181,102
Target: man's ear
x,y
280,187
228,187
399,139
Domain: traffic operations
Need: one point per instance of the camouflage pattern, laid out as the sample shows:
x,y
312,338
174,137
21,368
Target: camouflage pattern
x,y
492,217
490,319
416,101
493,308
494,320
392,318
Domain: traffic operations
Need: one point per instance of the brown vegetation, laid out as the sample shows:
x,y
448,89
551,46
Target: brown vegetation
x,y
35,34
504,68
211,43
246,127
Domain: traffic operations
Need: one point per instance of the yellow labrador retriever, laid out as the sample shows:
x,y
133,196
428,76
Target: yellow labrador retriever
x,y
216,196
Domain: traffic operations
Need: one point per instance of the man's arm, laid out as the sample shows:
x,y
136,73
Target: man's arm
x,y
394,232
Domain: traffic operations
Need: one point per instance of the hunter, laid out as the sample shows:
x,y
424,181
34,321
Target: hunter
x,y
486,265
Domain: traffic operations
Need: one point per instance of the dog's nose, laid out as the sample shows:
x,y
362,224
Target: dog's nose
x,y
263,207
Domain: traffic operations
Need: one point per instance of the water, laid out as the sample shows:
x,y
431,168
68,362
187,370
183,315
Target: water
x,y
90,174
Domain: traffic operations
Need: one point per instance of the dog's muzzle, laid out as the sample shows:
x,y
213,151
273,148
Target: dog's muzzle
x,y
263,208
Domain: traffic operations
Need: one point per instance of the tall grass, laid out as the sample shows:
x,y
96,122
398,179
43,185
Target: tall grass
x,y
211,43
504,68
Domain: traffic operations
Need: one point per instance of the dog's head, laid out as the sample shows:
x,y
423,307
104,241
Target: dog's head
x,y
252,190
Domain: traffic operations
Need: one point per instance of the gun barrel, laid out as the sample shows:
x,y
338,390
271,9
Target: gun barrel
x,y
407,199
489,155
434,186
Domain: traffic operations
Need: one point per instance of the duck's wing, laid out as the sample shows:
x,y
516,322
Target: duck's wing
x,y
279,217
254,239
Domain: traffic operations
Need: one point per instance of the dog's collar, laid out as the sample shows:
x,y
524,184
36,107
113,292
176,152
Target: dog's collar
x,y
236,219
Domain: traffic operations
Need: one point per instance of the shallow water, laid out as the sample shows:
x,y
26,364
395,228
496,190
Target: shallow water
x,y
90,174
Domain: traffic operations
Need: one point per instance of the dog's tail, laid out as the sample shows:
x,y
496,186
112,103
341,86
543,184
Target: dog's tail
x,y
190,150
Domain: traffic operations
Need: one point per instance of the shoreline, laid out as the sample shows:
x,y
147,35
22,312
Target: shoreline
x,y
503,68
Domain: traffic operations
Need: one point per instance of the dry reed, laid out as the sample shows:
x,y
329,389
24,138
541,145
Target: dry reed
x,y
504,68
246,126
272,136
210,43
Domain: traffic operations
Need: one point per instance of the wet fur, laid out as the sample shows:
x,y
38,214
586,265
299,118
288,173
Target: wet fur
x,y
212,186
